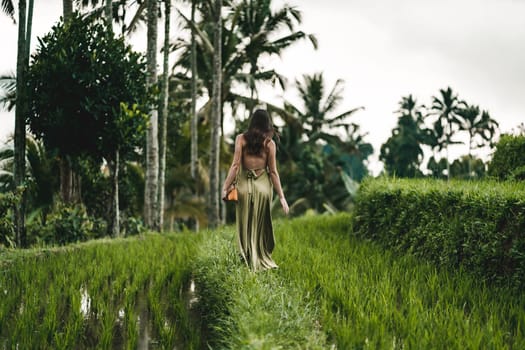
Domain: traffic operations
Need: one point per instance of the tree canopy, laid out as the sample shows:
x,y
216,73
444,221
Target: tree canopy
x,y
87,91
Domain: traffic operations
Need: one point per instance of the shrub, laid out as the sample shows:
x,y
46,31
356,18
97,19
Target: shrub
x,y
7,227
508,161
475,225
67,224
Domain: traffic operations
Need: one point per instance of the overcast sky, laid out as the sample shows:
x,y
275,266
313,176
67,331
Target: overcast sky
x,y
384,50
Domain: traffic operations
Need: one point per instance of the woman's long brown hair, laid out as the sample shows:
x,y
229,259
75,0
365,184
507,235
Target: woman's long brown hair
x,y
259,130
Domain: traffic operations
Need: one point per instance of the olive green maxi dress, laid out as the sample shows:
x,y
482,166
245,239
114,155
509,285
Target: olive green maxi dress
x,y
254,221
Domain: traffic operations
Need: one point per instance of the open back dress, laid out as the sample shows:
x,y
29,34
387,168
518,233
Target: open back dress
x,y
254,222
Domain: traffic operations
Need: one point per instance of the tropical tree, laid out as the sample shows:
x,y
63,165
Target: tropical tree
x,y
262,27
319,149
467,167
315,115
437,167
402,153
152,140
446,107
163,115
88,90
24,41
194,117
477,123
216,116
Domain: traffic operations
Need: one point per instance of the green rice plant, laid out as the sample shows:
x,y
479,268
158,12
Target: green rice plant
x,y
88,295
374,298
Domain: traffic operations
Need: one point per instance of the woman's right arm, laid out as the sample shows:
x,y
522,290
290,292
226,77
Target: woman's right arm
x,y
234,168
274,175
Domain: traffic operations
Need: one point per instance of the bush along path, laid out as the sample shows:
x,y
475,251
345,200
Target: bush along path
x,y
333,290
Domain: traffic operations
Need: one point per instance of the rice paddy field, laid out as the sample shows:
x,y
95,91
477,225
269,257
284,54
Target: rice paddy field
x,y
191,291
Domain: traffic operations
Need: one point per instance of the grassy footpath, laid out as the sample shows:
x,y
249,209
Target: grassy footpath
x,y
244,310
107,294
370,298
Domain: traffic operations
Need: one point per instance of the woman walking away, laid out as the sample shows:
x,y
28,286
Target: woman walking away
x,y
254,167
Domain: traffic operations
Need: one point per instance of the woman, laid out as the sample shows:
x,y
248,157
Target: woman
x,y
255,169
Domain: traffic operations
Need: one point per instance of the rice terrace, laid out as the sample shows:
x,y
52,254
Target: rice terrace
x,y
340,285
269,174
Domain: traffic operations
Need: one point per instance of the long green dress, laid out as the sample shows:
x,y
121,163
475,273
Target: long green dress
x,y
254,220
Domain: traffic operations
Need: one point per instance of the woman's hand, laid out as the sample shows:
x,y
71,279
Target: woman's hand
x,y
224,194
284,204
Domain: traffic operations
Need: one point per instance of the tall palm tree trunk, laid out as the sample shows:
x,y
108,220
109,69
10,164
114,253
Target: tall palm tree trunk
x,y
115,212
163,116
29,26
470,137
152,140
215,145
67,9
194,120
69,179
20,113
115,164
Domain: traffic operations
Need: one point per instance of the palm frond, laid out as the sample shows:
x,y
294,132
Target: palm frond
x,y
138,17
8,7
202,35
8,95
344,115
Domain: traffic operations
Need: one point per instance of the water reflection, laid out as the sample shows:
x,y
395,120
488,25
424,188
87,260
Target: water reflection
x,y
85,302
140,318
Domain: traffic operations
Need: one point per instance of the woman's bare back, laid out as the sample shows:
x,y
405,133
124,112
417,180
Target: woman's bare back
x,y
255,162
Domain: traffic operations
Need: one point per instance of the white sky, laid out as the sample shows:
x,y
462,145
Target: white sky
x,y
383,50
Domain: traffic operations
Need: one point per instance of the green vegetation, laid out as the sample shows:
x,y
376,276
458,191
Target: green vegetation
x,y
332,289
508,161
478,225
370,297
101,294
448,118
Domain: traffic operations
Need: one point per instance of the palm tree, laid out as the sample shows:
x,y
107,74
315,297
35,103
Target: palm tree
x,y
477,123
152,140
402,153
214,217
163,116
22,65
446,107
315,114
260,25
194,118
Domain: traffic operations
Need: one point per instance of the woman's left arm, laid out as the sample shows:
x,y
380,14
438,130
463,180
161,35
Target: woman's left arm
x,y
234,168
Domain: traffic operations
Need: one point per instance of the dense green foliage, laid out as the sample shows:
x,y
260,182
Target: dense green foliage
x,y
508,161
402,153
86,90
477,225
7,228
438,127
104,294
